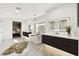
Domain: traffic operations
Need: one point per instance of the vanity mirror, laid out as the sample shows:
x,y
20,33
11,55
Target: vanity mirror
x,y
63,24
54,25
59,24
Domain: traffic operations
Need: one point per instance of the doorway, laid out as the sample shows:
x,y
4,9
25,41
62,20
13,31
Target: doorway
x,y
16,31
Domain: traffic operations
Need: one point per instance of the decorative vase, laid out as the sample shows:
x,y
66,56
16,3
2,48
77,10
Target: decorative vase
x,y
69,34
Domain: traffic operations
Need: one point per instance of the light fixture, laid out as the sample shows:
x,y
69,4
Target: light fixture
x,y
34,24
34,17
17,12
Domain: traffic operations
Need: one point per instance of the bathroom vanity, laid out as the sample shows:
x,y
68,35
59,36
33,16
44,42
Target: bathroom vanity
x,y
26,34
67,44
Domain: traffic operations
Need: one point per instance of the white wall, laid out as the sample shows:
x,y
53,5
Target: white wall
x,y
24,25
6,27
41,19
64,10
59,11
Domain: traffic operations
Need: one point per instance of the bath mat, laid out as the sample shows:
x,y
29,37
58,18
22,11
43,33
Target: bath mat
x,y
17,48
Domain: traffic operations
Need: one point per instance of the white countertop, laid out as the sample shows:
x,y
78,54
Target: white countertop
x,y
70,37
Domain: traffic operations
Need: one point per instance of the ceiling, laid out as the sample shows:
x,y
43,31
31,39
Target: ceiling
x,y
27,9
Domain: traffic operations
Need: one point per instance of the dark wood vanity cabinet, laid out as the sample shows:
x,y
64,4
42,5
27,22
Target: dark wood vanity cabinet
x,y
26,33
65,44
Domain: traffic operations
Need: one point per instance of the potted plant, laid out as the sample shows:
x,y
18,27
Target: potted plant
x,y
68,29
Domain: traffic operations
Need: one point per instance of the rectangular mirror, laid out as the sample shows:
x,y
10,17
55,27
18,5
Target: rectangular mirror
x,y
63,24
59,24
52,25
